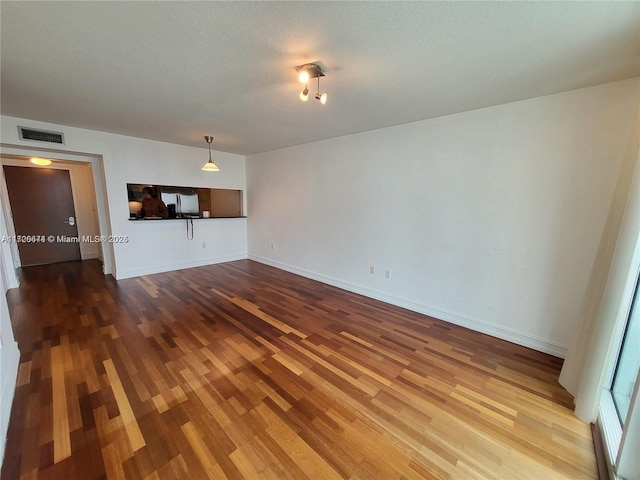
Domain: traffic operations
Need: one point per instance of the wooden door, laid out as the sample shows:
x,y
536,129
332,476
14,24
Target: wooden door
x,y
43,214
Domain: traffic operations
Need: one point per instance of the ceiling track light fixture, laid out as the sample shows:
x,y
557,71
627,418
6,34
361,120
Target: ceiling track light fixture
x,y
307,72
210,166
42,162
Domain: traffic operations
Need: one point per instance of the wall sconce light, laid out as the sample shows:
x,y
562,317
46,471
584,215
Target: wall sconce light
x,y
210,166
307,72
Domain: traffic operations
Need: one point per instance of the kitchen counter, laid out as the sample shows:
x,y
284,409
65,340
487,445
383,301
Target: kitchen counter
x,y
138,219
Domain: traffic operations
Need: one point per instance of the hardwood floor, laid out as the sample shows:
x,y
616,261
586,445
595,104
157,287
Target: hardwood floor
x,y
240,370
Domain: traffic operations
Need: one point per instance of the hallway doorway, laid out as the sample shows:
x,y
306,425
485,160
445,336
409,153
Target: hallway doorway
x,y
89,205
43,213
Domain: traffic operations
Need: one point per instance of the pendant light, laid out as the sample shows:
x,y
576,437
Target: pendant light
x,y
210,166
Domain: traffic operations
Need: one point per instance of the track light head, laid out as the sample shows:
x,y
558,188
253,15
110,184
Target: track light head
x,y
304,94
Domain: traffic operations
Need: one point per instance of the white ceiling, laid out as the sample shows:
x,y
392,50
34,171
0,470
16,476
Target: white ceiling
x,y
176,71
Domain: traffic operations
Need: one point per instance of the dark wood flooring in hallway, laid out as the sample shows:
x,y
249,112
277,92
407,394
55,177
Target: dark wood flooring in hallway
x,y
243,371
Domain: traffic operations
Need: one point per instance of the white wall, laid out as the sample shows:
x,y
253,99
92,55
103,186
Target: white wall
x,y
589,365
9,354
489,219
153,246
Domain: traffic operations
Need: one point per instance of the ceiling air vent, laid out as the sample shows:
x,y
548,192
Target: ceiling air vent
x,y
41,135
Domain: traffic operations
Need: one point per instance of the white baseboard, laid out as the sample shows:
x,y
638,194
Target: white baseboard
x,y
527,340
10,362
137,272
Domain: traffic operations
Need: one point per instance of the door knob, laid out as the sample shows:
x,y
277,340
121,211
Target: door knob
x,y
71,221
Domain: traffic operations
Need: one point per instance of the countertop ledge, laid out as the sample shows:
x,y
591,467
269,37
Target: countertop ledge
x,y
155,219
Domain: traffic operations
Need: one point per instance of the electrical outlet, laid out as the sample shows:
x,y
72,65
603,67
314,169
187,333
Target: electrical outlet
x,y
387,274
272,246
204,245
372,270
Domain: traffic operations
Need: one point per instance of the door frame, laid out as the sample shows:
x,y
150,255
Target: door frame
x,y
99,188
82,199
621,442
22,162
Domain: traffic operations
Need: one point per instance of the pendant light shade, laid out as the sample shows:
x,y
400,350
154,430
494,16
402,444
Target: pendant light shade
x,y
210,166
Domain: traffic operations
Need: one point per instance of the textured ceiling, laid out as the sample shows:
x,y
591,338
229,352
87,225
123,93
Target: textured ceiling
x,y
176,71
